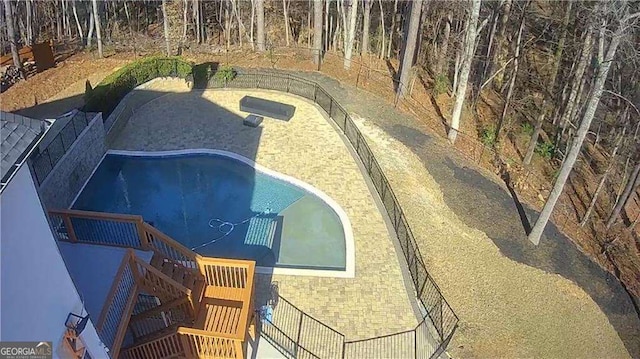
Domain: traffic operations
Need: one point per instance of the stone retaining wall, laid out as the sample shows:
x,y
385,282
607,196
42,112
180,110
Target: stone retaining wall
x,y
68,176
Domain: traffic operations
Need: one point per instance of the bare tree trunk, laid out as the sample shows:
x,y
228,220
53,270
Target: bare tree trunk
x,y
393,27
514,74
442,67
8,14
577,79
467,58
241,29
570,158
605,175
66,18
492,34
30,22
382,36
419,56
561,44
227,24
344,28
409,48
58,20
327,26
501,46
334,41
366,27
351,36
165,21
633,183
285,8
253,22
90,30
309,29
21,27
96,22
533,142
185,19
317,32
75,16
260,24
456,70
127,14
196,18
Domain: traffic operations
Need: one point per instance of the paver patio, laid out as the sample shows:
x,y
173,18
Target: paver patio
x,y
375,302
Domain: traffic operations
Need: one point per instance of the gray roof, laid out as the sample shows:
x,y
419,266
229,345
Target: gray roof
x,y
18,134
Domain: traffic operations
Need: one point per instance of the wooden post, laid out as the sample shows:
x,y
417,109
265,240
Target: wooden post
x,y
134,267
142,233
70,232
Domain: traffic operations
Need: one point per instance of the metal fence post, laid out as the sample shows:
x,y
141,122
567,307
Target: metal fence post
x,y
315,94
299,331
73,124
415,342
50,162
407,253
331,107
426,278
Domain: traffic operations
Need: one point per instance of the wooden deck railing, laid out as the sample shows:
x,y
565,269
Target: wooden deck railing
x,y
177,311
201,344
113,320
159,284
120,230
187,343
169,248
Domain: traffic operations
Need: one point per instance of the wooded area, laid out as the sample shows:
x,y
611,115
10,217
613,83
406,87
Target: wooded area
x,y
551,87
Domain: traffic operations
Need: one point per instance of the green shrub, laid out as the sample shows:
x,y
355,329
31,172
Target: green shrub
x,y
108,93
440,84
488,136
545,149
225,74
527,128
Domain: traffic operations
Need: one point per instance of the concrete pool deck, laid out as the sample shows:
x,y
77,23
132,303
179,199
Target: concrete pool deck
x,y
307,148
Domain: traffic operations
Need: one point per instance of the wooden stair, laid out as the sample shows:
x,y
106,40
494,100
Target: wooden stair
x,y
187,277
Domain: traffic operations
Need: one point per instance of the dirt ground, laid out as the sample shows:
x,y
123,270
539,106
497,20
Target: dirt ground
x,y
64,84
513,299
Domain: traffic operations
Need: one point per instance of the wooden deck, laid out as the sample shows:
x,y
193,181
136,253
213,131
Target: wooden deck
x,y
203,306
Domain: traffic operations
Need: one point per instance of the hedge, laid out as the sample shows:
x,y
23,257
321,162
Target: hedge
x,y
108,93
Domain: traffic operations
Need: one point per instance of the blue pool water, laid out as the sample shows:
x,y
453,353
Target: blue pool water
x,y
221,207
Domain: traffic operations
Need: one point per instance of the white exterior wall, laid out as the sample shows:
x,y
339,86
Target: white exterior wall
x,y
36,290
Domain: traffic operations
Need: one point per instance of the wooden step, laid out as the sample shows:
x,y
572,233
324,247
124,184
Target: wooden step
x,y
167,269
157,261
155,335
179,274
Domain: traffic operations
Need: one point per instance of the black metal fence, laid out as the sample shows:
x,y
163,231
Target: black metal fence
x,y
299,335
302,336
45,160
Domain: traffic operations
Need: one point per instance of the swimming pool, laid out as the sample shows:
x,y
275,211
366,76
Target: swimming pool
x,y
223,205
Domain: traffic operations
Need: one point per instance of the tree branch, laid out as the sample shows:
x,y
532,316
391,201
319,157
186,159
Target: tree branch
x,y
624,98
